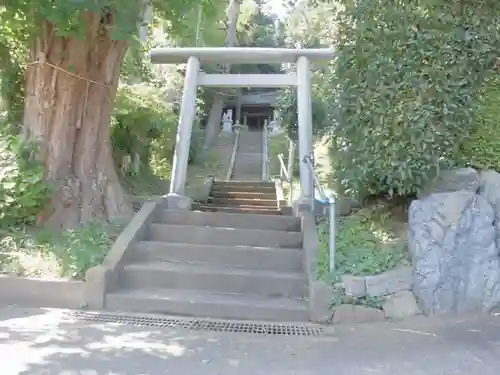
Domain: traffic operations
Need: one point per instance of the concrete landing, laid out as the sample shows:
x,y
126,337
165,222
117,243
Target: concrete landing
x,y
36,342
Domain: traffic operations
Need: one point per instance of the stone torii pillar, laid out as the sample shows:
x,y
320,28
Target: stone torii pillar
x,y
176,197
304,115
238,108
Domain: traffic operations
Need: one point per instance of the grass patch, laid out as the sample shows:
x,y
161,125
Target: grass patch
x,y
279,144
213,162
200,170
41,253
145,184
369,242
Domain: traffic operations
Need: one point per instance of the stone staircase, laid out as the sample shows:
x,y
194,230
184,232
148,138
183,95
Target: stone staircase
x,y
234,257
242,197
248,161
218,265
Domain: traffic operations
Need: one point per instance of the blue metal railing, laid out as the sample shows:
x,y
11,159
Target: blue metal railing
x,y
308,160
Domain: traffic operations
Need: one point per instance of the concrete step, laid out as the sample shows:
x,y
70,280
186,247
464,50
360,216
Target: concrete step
x,y
244,189
243,194
249,167
224,236
254,164
243,202
214,279
244,183
239,210
253,146
228,220
260,258
243,173
252,153
208,304
255,176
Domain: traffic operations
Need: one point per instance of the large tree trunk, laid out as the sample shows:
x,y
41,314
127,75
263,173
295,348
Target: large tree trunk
x,y
215,116
214,120
70,89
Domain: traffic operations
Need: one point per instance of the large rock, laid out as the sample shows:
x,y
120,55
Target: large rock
x,y
452,241
490,190
452,180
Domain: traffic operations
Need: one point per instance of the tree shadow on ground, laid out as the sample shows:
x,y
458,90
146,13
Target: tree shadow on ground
x,y
50,342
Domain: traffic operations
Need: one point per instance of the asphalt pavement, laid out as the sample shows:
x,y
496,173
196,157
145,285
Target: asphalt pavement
x,y
38,341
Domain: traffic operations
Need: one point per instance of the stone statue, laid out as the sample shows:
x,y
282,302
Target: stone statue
x,y
228,116
276,114
227,121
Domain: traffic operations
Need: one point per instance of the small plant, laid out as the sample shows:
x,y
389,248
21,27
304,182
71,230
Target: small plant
x,y
23,192
83,249
364,245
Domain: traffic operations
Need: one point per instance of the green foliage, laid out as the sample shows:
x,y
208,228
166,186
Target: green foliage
x,y
288,110
122,16
12,58
141,116
481,150
280,144
403,86
365,245
83,249
160,161
22,190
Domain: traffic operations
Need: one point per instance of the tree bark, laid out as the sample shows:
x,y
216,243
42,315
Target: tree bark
x,y
214,120
215,116
71,85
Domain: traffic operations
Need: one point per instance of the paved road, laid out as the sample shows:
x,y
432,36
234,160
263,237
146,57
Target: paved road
x,y
36,342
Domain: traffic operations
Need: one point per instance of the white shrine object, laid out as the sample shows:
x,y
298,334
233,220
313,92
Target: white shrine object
x,y
227,121
274,125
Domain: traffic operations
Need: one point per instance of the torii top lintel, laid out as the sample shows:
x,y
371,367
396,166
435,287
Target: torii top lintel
x,y
237,55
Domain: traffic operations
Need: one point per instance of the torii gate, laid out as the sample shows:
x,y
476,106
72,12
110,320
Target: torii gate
x,y
239,55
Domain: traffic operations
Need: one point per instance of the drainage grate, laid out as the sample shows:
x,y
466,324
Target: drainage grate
x,y
201,324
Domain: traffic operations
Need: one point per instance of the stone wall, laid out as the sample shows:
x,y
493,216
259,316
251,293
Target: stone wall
x,y
393,286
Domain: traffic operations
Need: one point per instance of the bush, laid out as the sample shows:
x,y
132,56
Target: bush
x,y
23,192
481,150
404,83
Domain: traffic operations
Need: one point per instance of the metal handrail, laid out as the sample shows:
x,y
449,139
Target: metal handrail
x,y
284,173
265,155
233,155
308,160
